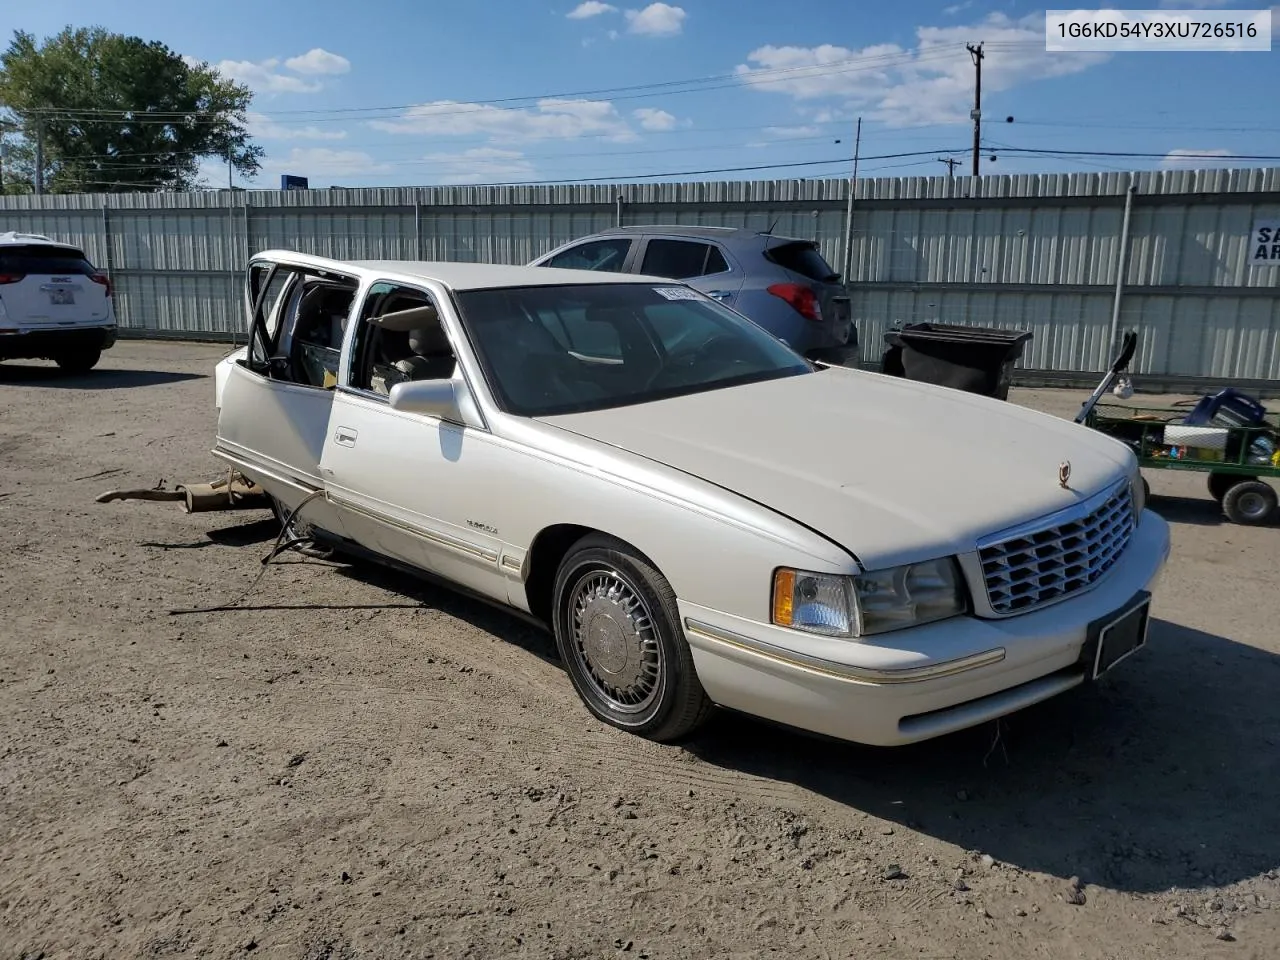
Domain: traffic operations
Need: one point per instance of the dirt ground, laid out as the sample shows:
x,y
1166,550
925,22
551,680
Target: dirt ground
x,y
356,765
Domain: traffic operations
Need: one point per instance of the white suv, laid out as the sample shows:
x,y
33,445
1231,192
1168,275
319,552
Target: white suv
x,y
54,304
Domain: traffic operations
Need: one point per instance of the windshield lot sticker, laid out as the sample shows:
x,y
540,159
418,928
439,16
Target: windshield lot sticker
x,y
676,293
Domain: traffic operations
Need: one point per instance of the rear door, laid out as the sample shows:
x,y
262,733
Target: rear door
x,y
48,286
704,265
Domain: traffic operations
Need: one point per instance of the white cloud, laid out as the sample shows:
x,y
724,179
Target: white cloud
x,y
481,165
651,118
264,128
656,20
790,133
1194,4
955,8
613,34
547,120
274,76
318,61
929,83
591,8
263,76
313,162
1183,159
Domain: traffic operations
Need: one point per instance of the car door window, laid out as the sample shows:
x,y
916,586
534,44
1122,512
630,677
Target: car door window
x,y
606,255
398,351
682,259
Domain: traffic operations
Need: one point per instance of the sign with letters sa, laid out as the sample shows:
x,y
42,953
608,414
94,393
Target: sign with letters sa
x,y
1264,244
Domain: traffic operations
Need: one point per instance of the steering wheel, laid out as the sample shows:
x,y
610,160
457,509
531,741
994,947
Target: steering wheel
x,y
693,358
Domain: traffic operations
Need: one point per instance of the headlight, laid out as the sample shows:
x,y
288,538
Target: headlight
x,y
1138,490
869,603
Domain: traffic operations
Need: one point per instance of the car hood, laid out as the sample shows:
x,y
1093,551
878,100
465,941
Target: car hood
x,y
892,470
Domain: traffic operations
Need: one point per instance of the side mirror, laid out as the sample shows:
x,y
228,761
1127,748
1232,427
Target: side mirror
x,y
432,398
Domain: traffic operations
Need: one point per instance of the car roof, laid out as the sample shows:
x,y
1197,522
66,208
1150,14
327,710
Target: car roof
x,y
458,275
13,238
724,234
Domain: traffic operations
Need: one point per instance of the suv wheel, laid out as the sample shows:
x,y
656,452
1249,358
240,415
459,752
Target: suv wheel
x,y
78,361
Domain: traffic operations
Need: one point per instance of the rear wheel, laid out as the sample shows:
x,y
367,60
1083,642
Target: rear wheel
x,y
1250,502
617,630
78,361
1220,483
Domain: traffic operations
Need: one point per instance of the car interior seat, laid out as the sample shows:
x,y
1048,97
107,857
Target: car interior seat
x,y
430,356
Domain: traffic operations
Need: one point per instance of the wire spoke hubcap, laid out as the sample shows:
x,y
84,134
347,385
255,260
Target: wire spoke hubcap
x,y
614,641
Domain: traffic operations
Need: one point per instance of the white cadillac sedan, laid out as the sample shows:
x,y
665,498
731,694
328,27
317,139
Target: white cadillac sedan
x,y
701,516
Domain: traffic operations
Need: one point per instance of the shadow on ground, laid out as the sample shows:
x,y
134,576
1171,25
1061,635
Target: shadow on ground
x,y
50,376
1196,511
1166,774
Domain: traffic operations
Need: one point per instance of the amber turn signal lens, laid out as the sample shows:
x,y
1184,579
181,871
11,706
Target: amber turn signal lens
x,y
784,591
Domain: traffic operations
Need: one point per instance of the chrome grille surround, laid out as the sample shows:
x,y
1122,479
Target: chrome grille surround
x,y
1057,556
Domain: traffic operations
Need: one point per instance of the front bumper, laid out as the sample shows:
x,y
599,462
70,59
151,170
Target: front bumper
x,y
45,343
921,683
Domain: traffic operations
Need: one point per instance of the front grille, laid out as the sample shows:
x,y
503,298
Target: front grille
x,y
1041,565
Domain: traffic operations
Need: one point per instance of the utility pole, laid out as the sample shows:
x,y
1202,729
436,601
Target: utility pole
x,y
231,183
38,180
976,55
848,214
951,163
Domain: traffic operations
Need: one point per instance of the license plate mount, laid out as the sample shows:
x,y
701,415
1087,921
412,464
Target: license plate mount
x,y
1119,636
61,297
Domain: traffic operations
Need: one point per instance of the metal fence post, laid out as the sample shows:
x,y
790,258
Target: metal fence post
x,y
1122,266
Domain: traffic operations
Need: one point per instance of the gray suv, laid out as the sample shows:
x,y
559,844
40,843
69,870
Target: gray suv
x,y
783,284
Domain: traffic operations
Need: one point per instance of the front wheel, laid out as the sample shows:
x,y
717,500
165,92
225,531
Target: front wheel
x,y
78,361
617,630
1251,503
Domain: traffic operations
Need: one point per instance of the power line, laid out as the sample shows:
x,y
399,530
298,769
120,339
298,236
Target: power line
x,y
749,78
624,178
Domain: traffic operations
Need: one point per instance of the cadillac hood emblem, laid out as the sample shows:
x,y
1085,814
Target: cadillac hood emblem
x,y
1064,474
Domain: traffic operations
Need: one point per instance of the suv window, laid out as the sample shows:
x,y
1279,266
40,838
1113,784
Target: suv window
x,y
41,259
606,255
804,259
682,259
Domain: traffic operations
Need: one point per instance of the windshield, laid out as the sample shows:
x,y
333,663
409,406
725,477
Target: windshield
x,y
568,349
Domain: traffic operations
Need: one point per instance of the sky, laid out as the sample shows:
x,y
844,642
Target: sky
x,y
384,93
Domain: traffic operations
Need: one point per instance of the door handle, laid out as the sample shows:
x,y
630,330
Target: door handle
x,y
720,294
345,436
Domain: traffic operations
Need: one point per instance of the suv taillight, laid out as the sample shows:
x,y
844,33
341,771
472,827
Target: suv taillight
x,y
803,300
102,279
11,277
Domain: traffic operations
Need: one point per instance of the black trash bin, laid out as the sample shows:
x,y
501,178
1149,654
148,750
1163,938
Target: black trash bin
x,y
973,359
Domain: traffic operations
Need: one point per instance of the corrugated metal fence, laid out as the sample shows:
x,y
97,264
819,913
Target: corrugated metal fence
x,y
1037,252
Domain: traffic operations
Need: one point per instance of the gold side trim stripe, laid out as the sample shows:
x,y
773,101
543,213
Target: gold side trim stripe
x,y
462,546
848,674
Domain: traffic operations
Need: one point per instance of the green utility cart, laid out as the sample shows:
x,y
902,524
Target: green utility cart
x,y
1239,453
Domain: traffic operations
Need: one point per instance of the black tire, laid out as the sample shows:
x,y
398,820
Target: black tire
x,y
1220,483
636,609
1250,502
78,361
1146,491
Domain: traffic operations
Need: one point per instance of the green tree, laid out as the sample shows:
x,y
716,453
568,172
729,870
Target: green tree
x,y
117,114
